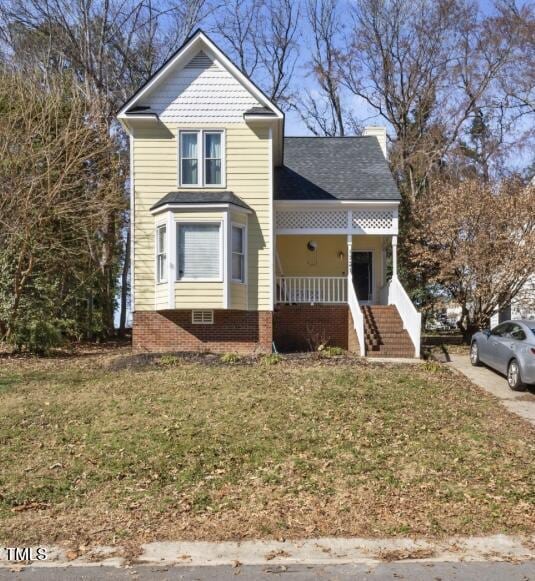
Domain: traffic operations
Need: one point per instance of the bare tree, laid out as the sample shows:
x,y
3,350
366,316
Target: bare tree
x,y
61,181
112,47
321,109
261,37
477,241
432,70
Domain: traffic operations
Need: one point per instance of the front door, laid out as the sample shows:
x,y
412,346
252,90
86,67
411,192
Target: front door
x,y
362,272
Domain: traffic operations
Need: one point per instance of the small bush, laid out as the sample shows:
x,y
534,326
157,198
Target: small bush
x,y
168,360
230,358
38,336
332,351
271,359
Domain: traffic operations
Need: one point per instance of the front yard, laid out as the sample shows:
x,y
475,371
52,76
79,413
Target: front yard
x,y
95,450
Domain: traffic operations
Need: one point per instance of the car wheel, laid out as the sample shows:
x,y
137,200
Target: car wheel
x,y
474,355
513,376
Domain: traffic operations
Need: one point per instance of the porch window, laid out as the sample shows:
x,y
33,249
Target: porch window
x,y
238,253
199,251
161,253
201,160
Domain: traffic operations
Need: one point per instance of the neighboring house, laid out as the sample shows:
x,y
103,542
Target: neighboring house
x,y
243,238
521,307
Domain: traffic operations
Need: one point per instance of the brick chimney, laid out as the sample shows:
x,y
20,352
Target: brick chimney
x,y
380,133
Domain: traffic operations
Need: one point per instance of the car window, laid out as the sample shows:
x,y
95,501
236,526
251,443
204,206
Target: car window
x,y
518,333
533,330
501,330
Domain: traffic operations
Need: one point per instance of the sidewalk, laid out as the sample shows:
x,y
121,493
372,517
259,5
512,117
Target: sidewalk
x,y
521,403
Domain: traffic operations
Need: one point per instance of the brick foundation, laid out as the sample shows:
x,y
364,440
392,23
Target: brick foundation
x,y
295,325
242,332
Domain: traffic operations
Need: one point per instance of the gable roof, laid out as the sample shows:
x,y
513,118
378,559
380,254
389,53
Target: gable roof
x,y
334,168
197,42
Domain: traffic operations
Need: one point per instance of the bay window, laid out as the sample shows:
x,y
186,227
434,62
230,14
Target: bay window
x,y
161,253
199,251
201,160
238,253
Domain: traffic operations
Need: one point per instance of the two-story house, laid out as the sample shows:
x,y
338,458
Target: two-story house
x,y
244,239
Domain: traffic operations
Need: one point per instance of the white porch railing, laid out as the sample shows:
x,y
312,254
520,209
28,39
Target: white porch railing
x,y
358,318
312,289
412,319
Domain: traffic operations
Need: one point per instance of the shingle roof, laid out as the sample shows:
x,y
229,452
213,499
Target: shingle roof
x,y
211,197
334,168
260,111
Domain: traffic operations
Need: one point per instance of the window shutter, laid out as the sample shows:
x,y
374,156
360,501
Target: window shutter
x,y
198,251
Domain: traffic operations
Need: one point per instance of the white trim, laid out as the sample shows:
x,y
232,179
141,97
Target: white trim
x,y
245,244
171,258
256,118
200,207
273,240
190,221
157,253
201,135
153,117
226,261
132,224
195,43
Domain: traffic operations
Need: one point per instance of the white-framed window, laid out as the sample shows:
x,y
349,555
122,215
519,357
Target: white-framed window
x,y
161,253
201,158
199,251
189,158
238,252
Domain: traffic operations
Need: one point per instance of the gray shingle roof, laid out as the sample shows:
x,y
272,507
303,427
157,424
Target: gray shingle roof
x,y
334,168
210,197
260,111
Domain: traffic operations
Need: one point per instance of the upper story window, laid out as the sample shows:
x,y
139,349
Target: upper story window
x,y
201,158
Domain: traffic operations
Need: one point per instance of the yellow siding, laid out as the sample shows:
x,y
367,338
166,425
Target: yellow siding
x,y
247,175
297,260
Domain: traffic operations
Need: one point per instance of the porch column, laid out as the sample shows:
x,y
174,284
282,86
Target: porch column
x,y
394,256
349,267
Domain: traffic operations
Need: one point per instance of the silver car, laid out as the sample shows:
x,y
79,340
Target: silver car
x,y
508,348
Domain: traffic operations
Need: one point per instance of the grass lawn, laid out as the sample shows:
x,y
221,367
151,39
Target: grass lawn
x,y
95,451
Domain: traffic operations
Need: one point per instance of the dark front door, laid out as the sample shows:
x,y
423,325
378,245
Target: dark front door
x,y
361,267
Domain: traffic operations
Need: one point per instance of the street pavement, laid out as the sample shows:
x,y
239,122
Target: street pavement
x,y
413,571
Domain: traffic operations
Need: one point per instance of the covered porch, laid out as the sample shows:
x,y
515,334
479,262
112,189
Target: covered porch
x,y
337,254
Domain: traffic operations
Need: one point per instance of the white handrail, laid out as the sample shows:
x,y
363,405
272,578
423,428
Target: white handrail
x,y
311,289
412,319
358,317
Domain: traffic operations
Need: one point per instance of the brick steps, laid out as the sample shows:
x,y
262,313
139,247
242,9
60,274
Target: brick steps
x,y
384,335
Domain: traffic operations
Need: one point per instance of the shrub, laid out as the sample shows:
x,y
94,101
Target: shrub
x,y
332,351
168,360
271,359
230,358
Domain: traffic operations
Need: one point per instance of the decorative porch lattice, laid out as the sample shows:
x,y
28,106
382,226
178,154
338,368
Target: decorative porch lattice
x,y
372,220
312,220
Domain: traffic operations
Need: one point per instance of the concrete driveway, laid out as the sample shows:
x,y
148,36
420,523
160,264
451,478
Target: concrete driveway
x,y
518,402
